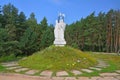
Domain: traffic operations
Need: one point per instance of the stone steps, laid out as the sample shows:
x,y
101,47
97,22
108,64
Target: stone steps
x,y
46,73
62,73
87,70
31,72
21,69
18,69
76,72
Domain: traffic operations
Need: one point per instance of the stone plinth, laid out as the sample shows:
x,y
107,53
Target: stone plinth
x,y
59,42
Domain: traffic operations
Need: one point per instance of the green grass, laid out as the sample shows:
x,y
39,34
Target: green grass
x,y
2,68
95,73
59,58
112,60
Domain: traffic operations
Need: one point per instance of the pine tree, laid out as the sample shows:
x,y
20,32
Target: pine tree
x,y
44,24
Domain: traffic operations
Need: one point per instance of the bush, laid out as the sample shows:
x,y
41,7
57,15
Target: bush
x,y
2,68
8,58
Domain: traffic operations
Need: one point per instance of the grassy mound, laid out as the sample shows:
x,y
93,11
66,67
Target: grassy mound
x,y
58,58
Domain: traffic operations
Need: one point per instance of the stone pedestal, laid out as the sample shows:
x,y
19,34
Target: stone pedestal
x,y
59,42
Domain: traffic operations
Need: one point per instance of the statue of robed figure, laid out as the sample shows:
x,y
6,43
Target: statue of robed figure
x,y
59,31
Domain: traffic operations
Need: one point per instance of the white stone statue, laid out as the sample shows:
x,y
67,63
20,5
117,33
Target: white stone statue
x,y
59,31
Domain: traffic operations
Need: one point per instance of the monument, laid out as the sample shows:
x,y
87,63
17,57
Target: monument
x,y
59,31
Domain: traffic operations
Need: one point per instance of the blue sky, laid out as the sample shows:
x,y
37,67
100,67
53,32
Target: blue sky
x,y
73,9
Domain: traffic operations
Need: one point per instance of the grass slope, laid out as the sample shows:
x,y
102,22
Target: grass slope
x,y
58,58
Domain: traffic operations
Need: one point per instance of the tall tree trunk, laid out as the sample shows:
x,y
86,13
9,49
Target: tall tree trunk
x,y
116,37
111,39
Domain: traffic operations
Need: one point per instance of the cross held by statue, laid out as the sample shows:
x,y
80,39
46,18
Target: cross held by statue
x,y
61,17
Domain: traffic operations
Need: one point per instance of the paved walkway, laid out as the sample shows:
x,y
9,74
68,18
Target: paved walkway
x,y
105,76
29,74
